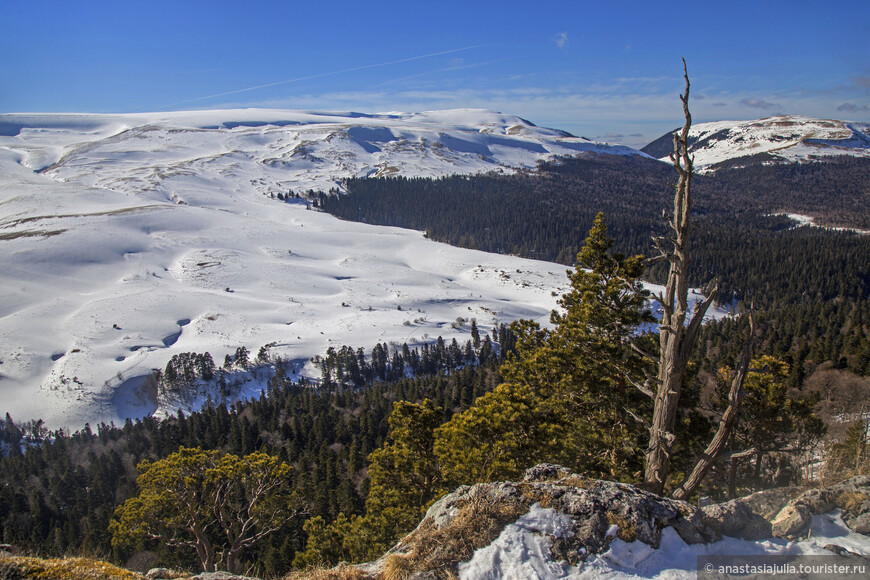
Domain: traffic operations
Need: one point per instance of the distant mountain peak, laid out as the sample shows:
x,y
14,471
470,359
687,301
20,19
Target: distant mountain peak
x,y
777,139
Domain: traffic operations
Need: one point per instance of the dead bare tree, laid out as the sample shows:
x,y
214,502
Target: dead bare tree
x,y
726,424
676,338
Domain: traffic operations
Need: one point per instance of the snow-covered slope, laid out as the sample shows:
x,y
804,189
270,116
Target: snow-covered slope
x,y
782,138
283,150
125,239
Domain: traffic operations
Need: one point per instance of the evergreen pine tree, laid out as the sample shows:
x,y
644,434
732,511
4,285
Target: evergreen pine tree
x,y
567,395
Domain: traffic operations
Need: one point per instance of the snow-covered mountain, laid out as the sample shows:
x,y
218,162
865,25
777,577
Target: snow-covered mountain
x,y
775,139
126,239
288,150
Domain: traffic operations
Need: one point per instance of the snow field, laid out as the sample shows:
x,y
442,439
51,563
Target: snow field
x,y
113,228
137,225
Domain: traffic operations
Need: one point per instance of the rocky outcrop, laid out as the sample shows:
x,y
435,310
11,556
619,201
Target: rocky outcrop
x,y
749,517
169,574
220,576
787,512
851,496
473,516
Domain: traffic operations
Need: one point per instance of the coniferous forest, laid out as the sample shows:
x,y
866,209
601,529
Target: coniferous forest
x,y
813,282
346,435
59,490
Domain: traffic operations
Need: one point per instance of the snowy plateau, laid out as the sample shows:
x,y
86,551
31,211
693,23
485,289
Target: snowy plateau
x,y
785,138
126,239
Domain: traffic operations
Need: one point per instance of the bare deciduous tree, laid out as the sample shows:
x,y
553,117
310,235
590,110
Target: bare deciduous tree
x,y
676,338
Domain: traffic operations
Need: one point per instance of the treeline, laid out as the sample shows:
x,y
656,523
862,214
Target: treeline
x,y
58,490
835,191
544,215
348,366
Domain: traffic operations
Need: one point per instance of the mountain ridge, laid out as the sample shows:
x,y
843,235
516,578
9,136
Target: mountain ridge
x,y
317,149
777,139
116,228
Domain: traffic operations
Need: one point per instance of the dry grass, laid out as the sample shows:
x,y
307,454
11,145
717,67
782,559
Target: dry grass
x,y
340,572
536,494
21,567
397,567
851,501
478,523
627,531
577,481
838,470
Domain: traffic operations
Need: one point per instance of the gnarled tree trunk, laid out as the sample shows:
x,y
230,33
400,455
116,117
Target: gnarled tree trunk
x,y
726,424
676,338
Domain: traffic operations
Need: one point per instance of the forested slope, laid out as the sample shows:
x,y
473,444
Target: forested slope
x,y
813,282
58,491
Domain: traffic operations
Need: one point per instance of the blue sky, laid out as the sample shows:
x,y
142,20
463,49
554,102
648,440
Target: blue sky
x,y
605,70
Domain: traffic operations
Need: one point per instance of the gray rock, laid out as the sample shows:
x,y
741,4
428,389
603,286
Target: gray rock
x,y
594,506
160,574
792,521
748,518
819,501
736,519
846,495
8,550
858,523
443,512
769,502
546,472
857,482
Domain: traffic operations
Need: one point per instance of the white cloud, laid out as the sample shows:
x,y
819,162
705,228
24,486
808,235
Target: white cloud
x,y
561,40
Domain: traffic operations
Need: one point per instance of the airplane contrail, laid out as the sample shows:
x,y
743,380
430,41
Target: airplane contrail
x,y
326,74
